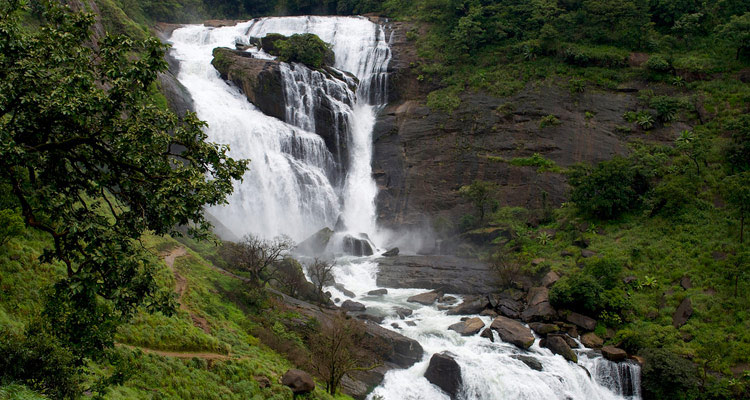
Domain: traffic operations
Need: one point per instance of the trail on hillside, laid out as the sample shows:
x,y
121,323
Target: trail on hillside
x,y
181,354
181,286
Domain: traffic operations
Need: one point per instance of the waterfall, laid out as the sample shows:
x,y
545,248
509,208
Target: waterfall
x,y
296,186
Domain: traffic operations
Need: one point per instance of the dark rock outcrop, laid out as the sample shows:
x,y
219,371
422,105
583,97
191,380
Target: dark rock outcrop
x,y
403,312
513,332
344,290
614,353
540,312
445,373
299,381
391,253
682,313
424,298
542,329
558,345
316,243
260,80
582,321
399,349
447,273
377,292
349,305
356,246
531,362
469,327
592,340
471,305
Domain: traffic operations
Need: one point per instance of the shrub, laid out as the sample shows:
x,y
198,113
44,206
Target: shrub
x,y
658,63
645,120
445,99
577,292
536,160
738,150
666,375
666,107
608,190
576,85
549,120
602,56
305,48
606,270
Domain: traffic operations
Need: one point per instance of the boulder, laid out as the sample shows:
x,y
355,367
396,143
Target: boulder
x,y
411,323
509,308
315,244
260,80
542,329
550,278
403,312
356,246
445,373
349,305
487,333
614,353
513,332
469,327
473,305
397,349
427,298
558,345
489,313
682,313
345,291
377,292
686,283
299,381
540,312
586,253
531,362
582,321
391,253
378,319
592,340
537,295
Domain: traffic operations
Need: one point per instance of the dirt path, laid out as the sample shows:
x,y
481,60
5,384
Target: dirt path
x,y
179,354
181,286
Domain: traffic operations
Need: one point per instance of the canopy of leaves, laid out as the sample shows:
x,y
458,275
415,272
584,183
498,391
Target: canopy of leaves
x,y
305,48
607,190
93,164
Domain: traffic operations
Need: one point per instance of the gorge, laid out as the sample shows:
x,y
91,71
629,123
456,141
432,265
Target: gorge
x,y
311,147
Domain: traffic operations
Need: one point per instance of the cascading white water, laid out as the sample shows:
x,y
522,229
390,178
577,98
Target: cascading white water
x,y
290,190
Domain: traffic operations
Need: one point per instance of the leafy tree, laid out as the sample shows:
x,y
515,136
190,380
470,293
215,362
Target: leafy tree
x,y
667,375
694,146
607,190
480,194
338,350
738,151
256,257
90,162
737,30
577,292
321,273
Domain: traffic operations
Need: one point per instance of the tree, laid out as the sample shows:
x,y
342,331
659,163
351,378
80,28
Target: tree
x,y
737,30
738,150
607,190
480,194
290,277
694,146
256,256
321,273
737,194
338,350
91,162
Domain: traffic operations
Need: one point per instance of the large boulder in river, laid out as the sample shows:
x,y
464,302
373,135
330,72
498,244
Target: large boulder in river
x,y
614,353
471,305
513,332
299,381
317,243
470,327
424,298
592,340
582,321
397,349
260,80
540,312
558,345
356,246
445,373
349,305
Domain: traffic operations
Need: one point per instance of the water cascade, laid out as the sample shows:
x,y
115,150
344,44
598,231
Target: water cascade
x,y
300,182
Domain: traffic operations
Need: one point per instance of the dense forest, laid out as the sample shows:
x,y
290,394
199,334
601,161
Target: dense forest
x,y
90,200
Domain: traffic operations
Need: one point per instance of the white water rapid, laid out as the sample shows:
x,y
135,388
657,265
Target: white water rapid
x,y
296,186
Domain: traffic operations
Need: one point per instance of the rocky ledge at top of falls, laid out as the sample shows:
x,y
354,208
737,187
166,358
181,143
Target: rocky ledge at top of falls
x,y
262,83
446,273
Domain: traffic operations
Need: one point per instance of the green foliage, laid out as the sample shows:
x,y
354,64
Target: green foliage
x,y
536,160
645,120
606,57
445,100
738,150
737,32
11,224
480,194
578,292
667,376
306,48
91,164
658,63
666,107
549,120
737,192
608,190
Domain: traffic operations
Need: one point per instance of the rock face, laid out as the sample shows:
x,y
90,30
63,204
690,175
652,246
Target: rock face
x,y
260,80
682,313
614,354
558,345
513,332
299,381
445,373
447,273
582,321
469,327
